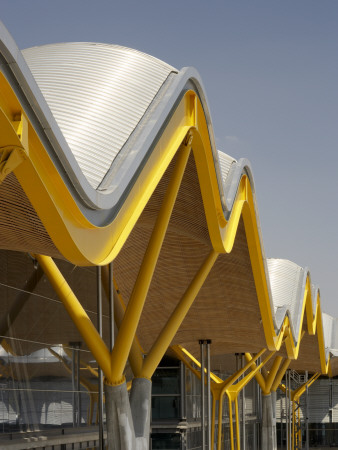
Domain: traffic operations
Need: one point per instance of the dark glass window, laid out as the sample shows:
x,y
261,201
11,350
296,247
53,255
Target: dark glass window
x,y
166,441
165,407
166,381
166,393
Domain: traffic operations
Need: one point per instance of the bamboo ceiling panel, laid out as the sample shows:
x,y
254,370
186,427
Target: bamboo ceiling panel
x,y
20,227
309,358
87,190
227,304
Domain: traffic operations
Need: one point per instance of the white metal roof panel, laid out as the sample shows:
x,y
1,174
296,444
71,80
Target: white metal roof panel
x,y
330,326
97,93
286,281
225,162
284,278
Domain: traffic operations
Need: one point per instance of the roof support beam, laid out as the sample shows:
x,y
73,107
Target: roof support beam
x,y
168,332
232,390
134,309
279,376
77,313
231,387
297,393
136,352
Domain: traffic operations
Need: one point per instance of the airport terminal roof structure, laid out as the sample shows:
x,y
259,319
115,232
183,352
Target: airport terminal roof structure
x,y
108,154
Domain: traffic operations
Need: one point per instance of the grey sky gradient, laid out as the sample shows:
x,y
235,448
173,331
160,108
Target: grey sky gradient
x,y
270,70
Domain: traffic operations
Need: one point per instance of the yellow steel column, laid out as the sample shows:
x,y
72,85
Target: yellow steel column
x,y
238,435
182,354
168,332
213,419
297,393
133,312
259,377
231,424
272,374
277,381
220,421
299,434
220,387
295,396
77,313
135,355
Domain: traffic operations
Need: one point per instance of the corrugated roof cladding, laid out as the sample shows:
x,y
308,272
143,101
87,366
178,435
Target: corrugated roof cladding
x,y
285,278
97,93
225,162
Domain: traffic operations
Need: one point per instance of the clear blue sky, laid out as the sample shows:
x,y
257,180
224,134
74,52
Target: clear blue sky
x,y
270,70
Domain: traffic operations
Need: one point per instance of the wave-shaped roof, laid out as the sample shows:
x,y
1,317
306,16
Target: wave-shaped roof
x,y
98,94
93,133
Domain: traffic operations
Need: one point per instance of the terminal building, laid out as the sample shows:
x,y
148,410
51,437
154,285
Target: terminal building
x,y
138,308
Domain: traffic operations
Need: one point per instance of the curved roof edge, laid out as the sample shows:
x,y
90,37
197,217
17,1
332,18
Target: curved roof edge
x,y
116,184
280,303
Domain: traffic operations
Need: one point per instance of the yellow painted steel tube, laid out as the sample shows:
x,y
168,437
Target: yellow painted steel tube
x,y
234,389
224,390
220,421
278,379
238,437
241,371
259,377
182,353
231,424
168,332
300,391
77,313
299,434
133,312
135,355
82,243
196,372
272,373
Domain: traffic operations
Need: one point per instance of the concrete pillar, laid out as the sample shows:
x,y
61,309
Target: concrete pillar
x,y
128,419
120,428
140,404
269,438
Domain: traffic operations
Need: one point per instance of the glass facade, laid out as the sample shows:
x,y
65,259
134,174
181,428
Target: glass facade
x,y
46,382
176,407
28,403
320,405
166,396
192,396
49,383
166,441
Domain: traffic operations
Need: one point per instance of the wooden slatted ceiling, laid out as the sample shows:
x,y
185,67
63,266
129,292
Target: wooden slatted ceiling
x,y
20,227
225,309
308,358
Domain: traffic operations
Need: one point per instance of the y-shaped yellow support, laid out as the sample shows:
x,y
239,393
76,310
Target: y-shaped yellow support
x,y
231,387
295,396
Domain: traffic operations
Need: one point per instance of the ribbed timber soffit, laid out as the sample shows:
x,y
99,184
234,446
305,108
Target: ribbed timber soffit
x,y
20,227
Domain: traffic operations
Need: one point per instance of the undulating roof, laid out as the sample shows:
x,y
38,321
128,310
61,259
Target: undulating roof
x,y
91,134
